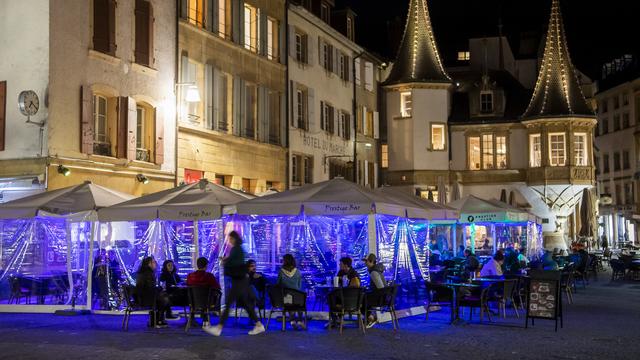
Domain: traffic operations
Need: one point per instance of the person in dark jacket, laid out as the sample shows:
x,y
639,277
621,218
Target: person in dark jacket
x,y
236,269
471,263
147,290
202,278
376,284
169,276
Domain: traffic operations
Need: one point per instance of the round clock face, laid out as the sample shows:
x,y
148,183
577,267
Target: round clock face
x,y
28,102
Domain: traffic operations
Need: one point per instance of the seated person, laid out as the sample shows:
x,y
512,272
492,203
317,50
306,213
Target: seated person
x,y
146,289
202,278
290,277
493,268
471,263
169,276
353,280
256,279
376,283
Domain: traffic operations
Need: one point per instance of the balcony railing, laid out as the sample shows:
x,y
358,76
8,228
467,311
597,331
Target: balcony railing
x,y
143,155
102,148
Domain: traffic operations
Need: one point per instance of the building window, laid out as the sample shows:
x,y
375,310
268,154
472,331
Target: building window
x,y
344,67
145,132
358,71
350,29
101,138
192,176
302,42
144,33
250,110
464,55
369,124
474,153
625,99
275,114
604,126
597,164
195,12
344,130
104,26
616,122
220,106
501,152
628,193
625,120
308,170
295,169
487,152
222,18
140,140
384,156
557,149
430,193
535,150
327,117
302,120
325,14
486,102
580,149
604,106
437,137
616,161
272,39
327,56
251,33
406,104
605,164
626,163
616,102
368,76
301,170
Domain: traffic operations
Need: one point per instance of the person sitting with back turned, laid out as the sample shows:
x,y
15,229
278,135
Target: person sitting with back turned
x,y
471,263
376,284
290,277
202,278
493,268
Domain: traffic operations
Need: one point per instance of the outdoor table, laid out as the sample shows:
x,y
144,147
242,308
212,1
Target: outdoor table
x,y
456,301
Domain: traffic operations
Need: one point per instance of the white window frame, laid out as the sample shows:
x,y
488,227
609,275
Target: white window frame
x,y
271,25
100,137
535,155
406,104
141,114
499,153
580,149
488,152
368,76
443,138
557,157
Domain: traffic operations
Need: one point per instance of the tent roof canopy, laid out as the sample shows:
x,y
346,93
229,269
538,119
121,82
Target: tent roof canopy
x,y
475,210
69,200
432,210
200,201
332,197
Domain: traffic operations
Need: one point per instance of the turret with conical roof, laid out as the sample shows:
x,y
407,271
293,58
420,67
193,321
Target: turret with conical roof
x,y
557,92
418,59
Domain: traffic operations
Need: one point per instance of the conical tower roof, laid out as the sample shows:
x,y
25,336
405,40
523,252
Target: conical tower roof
x,y
557,91
418,59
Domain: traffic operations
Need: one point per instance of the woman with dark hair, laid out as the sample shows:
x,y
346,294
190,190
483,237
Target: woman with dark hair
x,y
289,277
169,276
236,269
147,292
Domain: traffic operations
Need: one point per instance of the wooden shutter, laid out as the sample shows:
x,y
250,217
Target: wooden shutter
x,y
263,115
3,113
238,104
122,127
184,9
237,12
101,25
263,34
311,110
294,104
376,125
159,124
365,121
292,41
132,124
320,53
143,32
322,125
209,94
86,120
111,20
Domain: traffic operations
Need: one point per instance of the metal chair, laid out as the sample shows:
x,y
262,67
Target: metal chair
x,y
285,300
439,295
347,301
201,298
385,301
138,302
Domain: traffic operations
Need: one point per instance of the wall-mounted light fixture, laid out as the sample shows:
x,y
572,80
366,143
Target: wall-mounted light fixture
x,y
142,179
63,170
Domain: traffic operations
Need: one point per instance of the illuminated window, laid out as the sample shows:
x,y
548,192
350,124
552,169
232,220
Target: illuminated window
x,y
557,149
140,143
384,158
406,104
101,131
535,150
301,48
272,39
580,149
487,152
430,193
437,137
501,152
474,153
251,33
464,55
222,18
145,128
195,12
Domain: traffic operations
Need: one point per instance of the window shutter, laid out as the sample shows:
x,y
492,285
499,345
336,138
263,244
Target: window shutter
x,y
111,8
320,52
322,124
209,96
358,71
347,61
262,33
366,173
3,113
282,41
238,21
237,106
336,121
122,127
365,122
210,18
101,25
143,35
132,123
311,110
307,49
376,125
294,104
336,61
283,122
183,9
262,116
86,120
151,27
159,117
292,41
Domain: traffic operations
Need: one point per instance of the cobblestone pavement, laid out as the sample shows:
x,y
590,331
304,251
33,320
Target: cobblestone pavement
x,y
603,323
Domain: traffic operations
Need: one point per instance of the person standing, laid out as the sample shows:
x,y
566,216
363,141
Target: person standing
x,y
236,269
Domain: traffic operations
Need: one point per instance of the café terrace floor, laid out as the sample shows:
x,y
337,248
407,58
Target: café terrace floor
x,y
603,323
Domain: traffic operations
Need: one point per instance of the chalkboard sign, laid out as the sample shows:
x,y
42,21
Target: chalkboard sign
x,y
543,297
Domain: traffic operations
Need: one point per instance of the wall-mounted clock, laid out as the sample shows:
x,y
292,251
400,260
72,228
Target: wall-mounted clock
x,y
28,102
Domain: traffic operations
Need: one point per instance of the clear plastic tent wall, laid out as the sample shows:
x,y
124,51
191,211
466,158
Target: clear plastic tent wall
x,y
45,260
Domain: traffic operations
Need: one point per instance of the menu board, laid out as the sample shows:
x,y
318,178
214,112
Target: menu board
x,y
543,299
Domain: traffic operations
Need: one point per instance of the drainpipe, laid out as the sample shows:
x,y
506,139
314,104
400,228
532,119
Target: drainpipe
x,y
286,92
175,91
355,117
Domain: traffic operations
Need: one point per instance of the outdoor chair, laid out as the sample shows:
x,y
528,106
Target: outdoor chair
x,y
583,274
385,301
592,267
259,303
479,298
566,281
202,299
285,300
439,295
18,291
347,301
138,302
509,287
618,269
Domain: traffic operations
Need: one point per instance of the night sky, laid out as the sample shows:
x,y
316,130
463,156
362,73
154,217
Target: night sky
x,y
597,31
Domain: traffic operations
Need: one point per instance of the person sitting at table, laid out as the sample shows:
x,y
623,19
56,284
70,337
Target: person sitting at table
x,y
346,269
256,279
169,276
493,268
290,277
471,263
146,288
202,278
376,283
485,243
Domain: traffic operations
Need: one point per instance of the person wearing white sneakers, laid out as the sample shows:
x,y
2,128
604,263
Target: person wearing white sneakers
x,y
236,269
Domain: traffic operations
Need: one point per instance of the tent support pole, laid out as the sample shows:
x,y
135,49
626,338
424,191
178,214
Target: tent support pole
x,y
454,240
372,234
90,269
196,245
69,258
